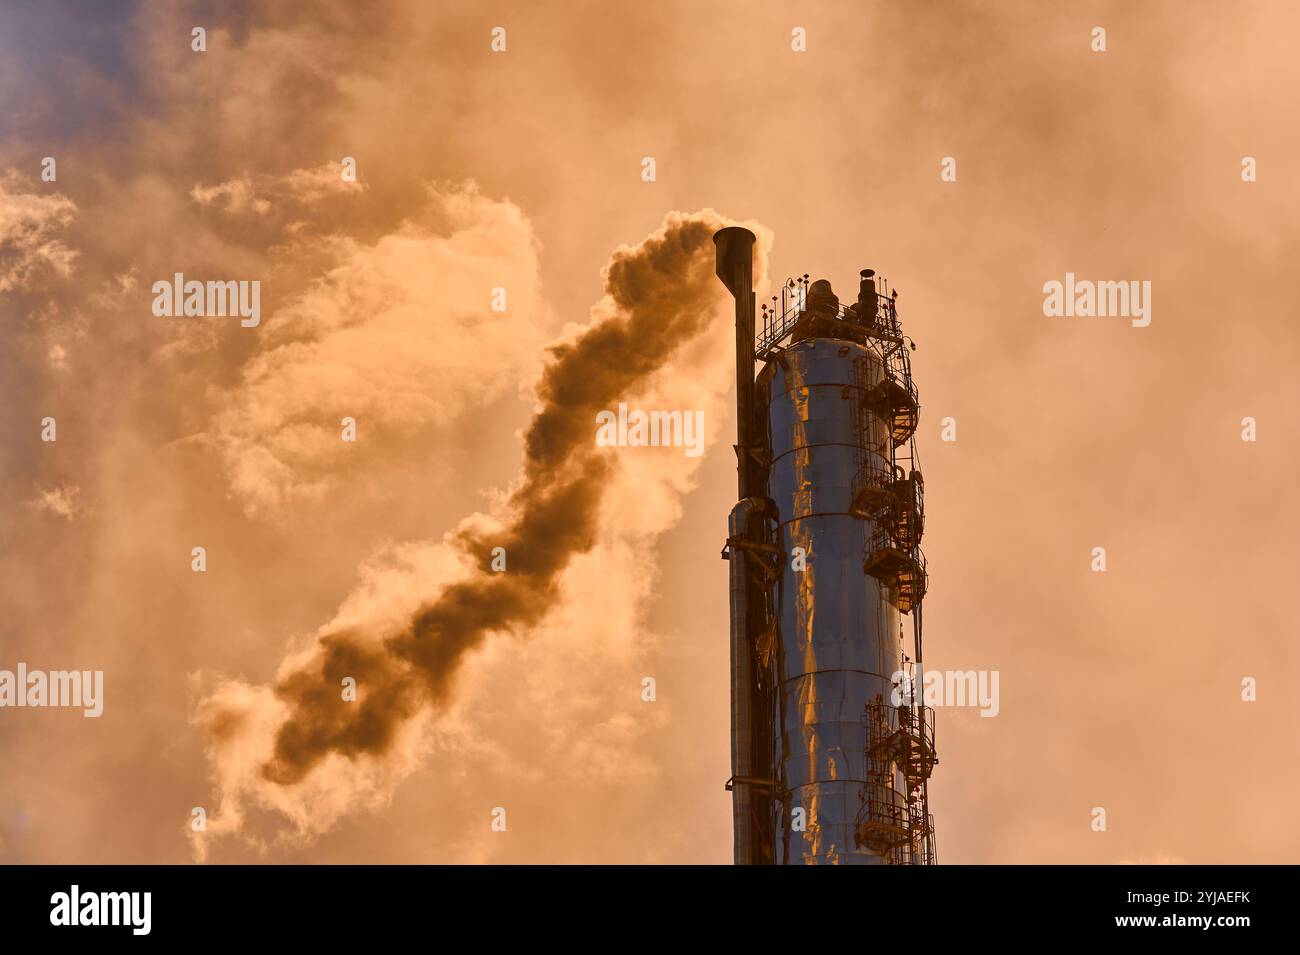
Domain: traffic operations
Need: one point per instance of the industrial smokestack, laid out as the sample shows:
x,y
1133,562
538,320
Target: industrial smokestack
x,y
749,534
735,267
825,563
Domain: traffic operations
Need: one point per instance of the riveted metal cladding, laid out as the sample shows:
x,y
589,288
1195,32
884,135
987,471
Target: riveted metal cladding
x,y
840,636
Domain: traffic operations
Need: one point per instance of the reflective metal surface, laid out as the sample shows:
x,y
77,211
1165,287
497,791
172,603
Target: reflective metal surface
x,y
839,634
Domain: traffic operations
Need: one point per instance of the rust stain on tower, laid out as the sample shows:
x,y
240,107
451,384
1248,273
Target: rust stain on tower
x,y
831,749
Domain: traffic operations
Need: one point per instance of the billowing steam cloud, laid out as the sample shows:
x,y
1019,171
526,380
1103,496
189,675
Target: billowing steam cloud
x,y
660,294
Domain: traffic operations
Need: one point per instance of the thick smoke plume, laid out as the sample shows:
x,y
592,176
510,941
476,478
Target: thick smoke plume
x,y
660,294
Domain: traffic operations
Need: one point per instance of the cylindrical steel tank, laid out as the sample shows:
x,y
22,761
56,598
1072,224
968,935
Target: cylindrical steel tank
x,y
840,635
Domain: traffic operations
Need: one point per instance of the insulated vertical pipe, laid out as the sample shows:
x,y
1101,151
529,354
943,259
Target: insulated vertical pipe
x,y
742,679
751,730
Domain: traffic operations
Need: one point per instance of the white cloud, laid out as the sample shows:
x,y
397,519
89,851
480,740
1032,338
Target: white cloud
x,y
397,335
63,501
260,194
30,246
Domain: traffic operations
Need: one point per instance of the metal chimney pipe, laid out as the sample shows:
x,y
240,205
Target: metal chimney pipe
x,y
742,681
735,267
750,720
868,306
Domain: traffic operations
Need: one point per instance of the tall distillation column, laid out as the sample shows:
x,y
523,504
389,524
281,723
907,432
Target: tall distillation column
x,y
830,753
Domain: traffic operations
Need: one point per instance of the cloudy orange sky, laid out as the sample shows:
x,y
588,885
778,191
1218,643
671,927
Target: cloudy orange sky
x,y
523,170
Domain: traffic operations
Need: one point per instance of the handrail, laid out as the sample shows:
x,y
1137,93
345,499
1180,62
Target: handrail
x,y
794,305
